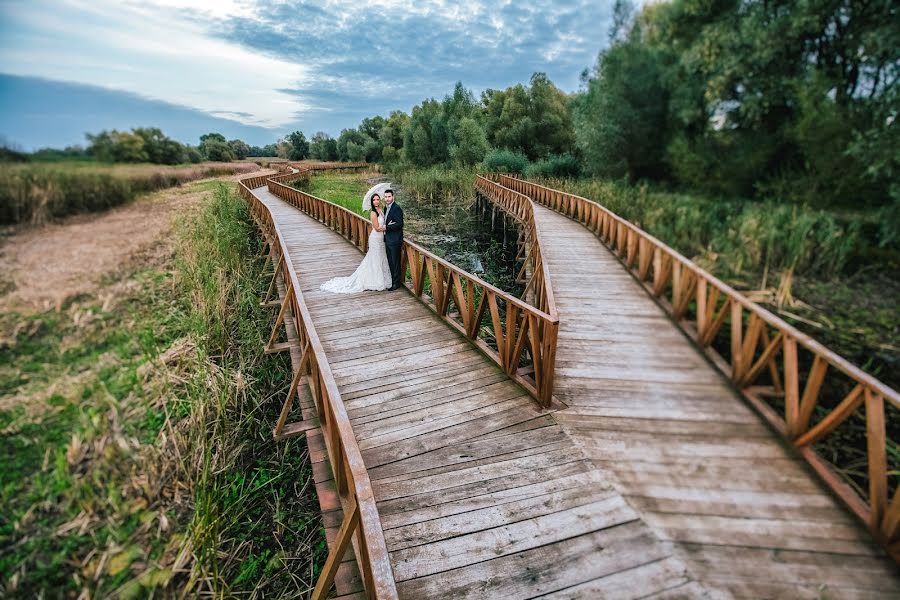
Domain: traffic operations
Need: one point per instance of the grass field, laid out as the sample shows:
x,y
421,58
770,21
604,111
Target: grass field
x,y
40,192
344,189
137,434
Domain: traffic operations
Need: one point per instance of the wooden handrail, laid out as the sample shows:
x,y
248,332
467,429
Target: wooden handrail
x,y
520,207
524,335
701,304
361,520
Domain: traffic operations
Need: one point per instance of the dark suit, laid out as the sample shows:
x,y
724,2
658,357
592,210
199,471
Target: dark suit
x,y
393,241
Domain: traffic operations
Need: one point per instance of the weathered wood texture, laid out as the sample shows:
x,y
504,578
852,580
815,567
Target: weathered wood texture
x,y
768,359
747,516
656,481
480,493
518,336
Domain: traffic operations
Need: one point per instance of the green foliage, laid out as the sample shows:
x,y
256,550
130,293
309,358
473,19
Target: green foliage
x,y
794,102
216,150
621,119
299,147
733,238
535,120
323,147
346,189
505,161
159,148
12,155
192,155
470,143
159,459
351,136
271,150
565,165
240,149
392,131
390,155
436,182
54,155
117,146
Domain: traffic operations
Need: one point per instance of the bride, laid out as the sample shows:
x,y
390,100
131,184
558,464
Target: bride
x,y
373,272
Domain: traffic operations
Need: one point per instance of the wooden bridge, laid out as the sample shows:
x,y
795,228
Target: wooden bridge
x,y
585,441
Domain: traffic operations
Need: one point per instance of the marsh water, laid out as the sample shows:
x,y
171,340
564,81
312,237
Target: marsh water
x,y
453,229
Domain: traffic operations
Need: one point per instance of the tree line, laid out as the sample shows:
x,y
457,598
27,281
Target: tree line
x,y
140,145
751,98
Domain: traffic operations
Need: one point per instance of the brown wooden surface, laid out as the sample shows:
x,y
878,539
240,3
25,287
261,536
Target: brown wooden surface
x,y
690,295
479,491
656,481
704,471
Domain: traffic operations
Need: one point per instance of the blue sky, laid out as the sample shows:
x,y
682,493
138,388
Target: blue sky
x,y
258,70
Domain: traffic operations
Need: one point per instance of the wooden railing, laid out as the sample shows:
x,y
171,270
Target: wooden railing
x,y
519,337
519,206
361,525
766,357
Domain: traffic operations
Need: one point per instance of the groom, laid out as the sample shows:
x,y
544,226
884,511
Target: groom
x,y
393,237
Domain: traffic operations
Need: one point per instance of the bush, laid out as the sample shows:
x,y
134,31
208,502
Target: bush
x,y
436,182
564,165
505,161
471,143
390,155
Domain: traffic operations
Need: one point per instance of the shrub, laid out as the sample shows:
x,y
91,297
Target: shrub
x,y
505,161
564,165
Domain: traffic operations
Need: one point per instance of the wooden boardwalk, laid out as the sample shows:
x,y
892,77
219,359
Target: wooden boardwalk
x,y
700,467
655,481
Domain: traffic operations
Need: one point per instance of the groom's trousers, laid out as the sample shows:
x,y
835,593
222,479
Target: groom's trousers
x,y
394,252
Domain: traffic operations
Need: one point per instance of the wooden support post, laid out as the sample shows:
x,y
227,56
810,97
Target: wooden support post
x,y
341,543
877,451
271,346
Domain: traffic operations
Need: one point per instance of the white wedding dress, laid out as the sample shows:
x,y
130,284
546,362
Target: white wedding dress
x,y
373,272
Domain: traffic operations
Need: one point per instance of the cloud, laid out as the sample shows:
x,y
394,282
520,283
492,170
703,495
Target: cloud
x,y
297,64
152,51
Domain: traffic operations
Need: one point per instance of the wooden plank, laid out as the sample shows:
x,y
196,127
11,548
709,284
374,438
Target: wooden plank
x,y
475,426
413,508
512,538
470,453
762,533
661,576
488,518
544,569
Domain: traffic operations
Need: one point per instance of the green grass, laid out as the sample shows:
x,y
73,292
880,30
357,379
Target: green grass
x,y
345,189
129,476
436,183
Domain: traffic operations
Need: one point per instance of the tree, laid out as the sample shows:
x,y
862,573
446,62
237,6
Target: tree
x,y
160,148
214,147
393,130
299,147
117,146
350,136
623,115
323,147
535,120
240,149
424,135
471,143
355,152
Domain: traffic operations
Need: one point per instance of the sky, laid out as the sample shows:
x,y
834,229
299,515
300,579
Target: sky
x,y
257,70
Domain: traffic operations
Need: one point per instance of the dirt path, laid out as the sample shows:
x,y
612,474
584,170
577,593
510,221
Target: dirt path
x,y
50,266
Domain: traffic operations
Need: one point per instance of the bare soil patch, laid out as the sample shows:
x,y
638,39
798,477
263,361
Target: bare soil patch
x,y
49,266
